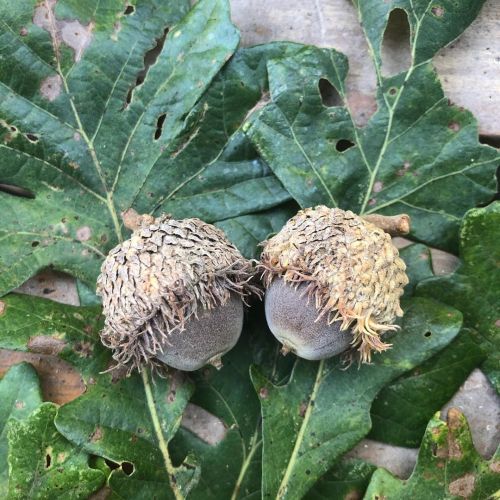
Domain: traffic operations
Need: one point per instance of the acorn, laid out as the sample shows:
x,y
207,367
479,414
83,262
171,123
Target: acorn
x,y
334,282
173,293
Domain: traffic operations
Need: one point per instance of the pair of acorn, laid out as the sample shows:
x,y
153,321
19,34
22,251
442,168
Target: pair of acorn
x,y
174,293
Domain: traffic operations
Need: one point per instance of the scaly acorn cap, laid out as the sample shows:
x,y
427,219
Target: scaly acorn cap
x,y
353,270
154,282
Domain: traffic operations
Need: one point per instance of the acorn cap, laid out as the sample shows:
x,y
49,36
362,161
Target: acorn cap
x,y
352,269
154,282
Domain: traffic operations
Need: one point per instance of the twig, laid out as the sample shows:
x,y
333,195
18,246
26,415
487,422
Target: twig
x,y
395,225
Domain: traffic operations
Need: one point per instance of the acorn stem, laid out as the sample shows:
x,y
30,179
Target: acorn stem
x,y
132,220
162,443
216,362
395,225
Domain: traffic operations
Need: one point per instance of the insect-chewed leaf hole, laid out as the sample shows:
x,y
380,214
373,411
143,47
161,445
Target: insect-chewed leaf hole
x,y
32,138
159,126
128,468
150,58
343,145
129,9
396,48
329,94
437,11
112,465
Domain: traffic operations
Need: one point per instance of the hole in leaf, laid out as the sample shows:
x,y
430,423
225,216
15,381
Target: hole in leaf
x,y
393,91
128,468
427,334
129,9
32,138
150,58
437,11
17,191
491,140
329,94
396,48
159,126
48,460
112,465
35,244
343,145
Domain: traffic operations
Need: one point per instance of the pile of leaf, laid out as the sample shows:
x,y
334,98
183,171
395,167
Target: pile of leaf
x,y
107,105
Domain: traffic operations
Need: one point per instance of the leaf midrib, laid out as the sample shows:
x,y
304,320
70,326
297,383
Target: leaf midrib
x,y
90,146
282,490
391,109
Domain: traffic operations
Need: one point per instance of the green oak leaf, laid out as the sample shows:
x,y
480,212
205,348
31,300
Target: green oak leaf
x,y
19,396
84,135
323,410
250,230
418,262
44,464
111,419
474,288
418,154
36,325
448,467
348,480
401,411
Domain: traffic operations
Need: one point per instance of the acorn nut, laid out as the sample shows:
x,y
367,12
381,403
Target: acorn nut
x,y
333,282
173,293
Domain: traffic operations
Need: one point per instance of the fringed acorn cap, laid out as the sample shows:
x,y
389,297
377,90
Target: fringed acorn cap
x,y
354,272
153,283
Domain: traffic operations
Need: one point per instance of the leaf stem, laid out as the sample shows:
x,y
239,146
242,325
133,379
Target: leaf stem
x,y
159,434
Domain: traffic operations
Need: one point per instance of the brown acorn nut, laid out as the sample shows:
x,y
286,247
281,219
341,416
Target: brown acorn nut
x,y
344,267
173,293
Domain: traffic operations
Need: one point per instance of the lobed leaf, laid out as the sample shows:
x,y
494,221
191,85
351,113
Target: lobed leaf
x,y
448,467
136,114
19,396
44,464
415,154
347,480
474,287
401,411
111,418
323,411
